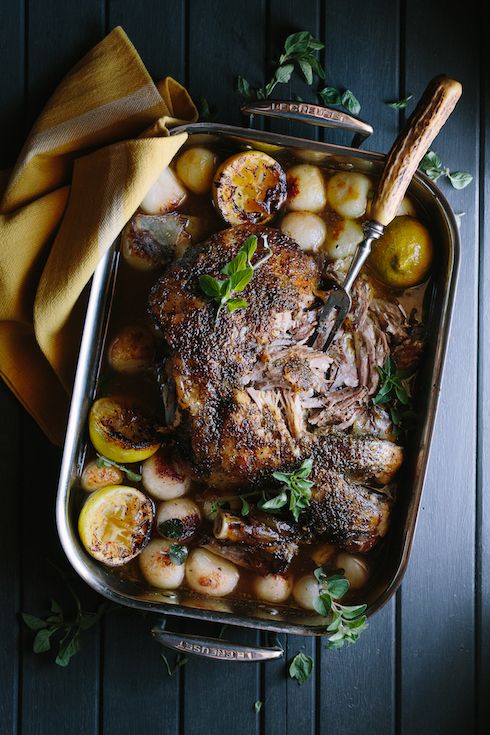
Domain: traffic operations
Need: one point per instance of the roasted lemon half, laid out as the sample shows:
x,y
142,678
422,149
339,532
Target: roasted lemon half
x,y
249,187
120,430
115,524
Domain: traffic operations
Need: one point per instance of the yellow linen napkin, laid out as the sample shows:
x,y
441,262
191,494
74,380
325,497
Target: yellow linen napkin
x,y
93,154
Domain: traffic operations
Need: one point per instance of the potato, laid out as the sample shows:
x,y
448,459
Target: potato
x,y
182,510
342,238
356,569
306,228
306,188
162,479
195,168
210,574
306,591
94,477
158,568
132,350
166,194
348,193
273,587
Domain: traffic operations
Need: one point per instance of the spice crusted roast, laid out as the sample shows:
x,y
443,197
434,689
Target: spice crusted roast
x,y
247,394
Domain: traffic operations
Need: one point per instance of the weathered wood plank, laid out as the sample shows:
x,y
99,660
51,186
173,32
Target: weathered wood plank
x,y
483,505
57,36
437,661
347,684
12,110
285,18
157,31
10,470
215,59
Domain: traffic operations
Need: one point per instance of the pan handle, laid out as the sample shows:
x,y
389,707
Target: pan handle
x,y
213,647
312,114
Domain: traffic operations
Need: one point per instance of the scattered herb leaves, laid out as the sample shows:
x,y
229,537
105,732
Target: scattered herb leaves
x,y
345,98
431,165
172,528
104,462
239,272
301,667
258,706
178,554
66,632
400,104
394,392
347,622
299,50
180,660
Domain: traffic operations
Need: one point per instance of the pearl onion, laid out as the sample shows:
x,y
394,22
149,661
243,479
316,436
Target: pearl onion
x,y
273,587
157,567
348,192
307,229
306,188
210,574
306,591
355,569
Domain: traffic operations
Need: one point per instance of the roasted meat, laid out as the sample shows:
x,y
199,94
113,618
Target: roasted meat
x,y
250,392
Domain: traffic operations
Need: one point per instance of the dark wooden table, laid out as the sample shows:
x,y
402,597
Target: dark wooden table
x,y
424,665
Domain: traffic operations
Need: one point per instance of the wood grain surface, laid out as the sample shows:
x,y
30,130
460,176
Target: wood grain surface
x,y
424,664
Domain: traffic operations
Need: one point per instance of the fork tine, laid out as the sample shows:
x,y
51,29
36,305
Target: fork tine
x,y
341,314
340,301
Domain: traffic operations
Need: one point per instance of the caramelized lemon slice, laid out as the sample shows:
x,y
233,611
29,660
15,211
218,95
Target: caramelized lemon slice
x,y
119,430
115,524
249,187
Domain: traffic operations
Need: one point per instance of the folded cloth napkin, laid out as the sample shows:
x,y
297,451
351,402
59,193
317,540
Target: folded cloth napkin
x,y
93,154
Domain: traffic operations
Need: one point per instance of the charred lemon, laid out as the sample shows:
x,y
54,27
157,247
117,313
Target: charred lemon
x,y
115,524
403,256
120,430
249,187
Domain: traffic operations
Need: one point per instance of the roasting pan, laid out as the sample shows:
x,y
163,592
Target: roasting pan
x,y
396,547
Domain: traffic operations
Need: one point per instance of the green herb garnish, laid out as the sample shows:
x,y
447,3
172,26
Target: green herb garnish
x,y
258,706
104,462
206,113
172,528
400,104
431,165
298,485
347,621
180,660
345,98
66,632
301,668
299,50
239,272
394,393
178,554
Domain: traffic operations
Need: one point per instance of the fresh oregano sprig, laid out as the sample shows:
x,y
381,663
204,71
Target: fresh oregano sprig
x,y
431,165
180,660
239,272
347,622
299,50
57,627
297,490
104,462
345,98
394,392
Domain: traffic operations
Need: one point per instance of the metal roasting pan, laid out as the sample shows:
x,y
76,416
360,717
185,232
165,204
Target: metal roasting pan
x,y
395,550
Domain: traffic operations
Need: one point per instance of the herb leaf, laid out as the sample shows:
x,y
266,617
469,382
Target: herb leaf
x,y
394,391
459,179
180,660
104,462
346,621
275,503
258,705
399,104
172,528
301,667
178,554
206,113
346,98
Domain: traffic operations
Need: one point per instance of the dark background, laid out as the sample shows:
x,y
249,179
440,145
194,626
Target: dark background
x,y
424,664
